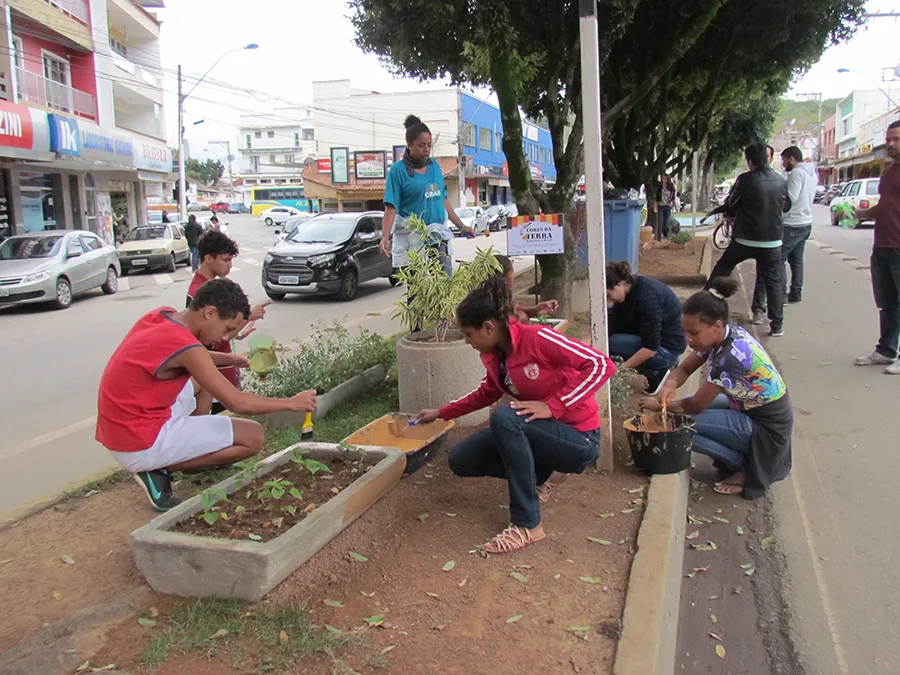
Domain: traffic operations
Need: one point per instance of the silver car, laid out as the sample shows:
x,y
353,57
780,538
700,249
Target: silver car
x,y
55,266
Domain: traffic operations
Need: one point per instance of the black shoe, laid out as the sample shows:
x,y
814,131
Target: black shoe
x,y
794,300
158,484
655,380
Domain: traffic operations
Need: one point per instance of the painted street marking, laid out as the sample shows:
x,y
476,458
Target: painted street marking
x,y
49,437
124,284
251,261
162,279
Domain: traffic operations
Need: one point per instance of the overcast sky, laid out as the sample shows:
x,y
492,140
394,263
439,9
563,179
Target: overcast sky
x,y
305,40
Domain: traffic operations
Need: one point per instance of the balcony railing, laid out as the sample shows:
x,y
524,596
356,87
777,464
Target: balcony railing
x,y
77,9
143,76
40,90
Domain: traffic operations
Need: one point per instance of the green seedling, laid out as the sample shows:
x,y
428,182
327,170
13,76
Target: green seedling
x,y
274,489
208,500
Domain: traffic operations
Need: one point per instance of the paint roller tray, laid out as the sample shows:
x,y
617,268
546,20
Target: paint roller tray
x,y
419,442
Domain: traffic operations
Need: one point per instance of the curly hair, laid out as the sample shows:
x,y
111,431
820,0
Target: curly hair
x,y
492,300
223,294
215,243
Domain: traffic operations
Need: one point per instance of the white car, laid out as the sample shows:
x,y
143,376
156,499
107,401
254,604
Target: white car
x,y
471,216
857,194
278,215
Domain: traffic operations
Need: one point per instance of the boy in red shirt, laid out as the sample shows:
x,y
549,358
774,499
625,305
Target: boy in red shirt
x,y
156,393
217,252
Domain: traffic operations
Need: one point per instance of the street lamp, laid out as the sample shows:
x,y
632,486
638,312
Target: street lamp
x,y
890,101
182,181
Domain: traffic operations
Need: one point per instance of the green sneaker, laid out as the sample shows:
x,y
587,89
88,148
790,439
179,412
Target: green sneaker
x,y
158,484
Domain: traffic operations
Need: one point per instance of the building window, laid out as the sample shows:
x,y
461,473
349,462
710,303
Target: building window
x,y
272,159
249,144
498,142
484,139
309,134
118,47
296,140
289,159
271,134
58,89
257,134
847,125
254,165
468,134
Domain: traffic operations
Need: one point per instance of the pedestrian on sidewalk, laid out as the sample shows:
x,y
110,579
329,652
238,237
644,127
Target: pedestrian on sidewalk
x,y
157,389
801,184
885,261
758,200
743,417
644,324
192,232
217,251
550,430
415,186
666,204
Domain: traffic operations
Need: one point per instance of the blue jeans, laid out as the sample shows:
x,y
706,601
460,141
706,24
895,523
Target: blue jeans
x,y
663,216
885,265
793,245
195,258
525,454
625,346
723,434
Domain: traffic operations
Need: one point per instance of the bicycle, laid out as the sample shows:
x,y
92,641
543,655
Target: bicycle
x,y
722,232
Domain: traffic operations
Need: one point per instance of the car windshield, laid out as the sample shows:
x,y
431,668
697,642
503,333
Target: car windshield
x,y
493,210
872,187
24,248
324,230
465,213
147,233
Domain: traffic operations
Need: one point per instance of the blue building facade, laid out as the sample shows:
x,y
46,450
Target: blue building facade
x,y
486,170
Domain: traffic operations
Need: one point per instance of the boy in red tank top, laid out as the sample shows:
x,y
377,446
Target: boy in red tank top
x,y
217,251
156,392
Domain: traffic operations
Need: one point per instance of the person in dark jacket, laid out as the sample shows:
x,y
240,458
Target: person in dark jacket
x,y
758,200
192,232
743,418
644,323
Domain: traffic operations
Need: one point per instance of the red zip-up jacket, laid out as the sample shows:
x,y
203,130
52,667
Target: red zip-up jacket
x,y
544,366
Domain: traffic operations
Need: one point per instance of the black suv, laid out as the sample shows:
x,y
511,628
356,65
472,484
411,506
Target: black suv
x,y
329,254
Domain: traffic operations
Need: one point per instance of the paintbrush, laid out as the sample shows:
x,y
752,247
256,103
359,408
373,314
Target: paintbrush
x,y
306,431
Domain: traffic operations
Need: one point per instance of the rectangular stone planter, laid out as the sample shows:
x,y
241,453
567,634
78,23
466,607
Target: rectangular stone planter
x,y
177,563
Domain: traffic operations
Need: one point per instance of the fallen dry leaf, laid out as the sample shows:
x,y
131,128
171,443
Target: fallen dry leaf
x,y
449,565
309,507
693,535
154,612
222,632
423,517
283,636
69,560
720,651
515,618
333,603
766,543
521,578
714,636
463,582
387,649
57,595
440,626
432,595
335,491
375,620
368,595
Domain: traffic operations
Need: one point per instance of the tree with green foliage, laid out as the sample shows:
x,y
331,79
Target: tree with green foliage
x,y
209,172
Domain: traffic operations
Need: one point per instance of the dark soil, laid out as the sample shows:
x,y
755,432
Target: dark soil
x,y
659,262
267,507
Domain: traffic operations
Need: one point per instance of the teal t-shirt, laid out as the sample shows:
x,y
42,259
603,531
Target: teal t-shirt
x,y
422,194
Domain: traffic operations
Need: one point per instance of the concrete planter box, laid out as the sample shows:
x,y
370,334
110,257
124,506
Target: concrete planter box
x,y
345,391
177,563
431,374
559,325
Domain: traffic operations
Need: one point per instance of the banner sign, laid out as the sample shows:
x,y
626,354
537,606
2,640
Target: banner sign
x,y
371,165
16,127
535,235
340,166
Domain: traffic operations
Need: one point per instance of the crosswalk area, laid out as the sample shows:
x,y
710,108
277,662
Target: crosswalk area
x,y
250,260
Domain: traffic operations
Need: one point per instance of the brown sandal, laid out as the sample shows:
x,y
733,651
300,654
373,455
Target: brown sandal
x,y
545,488
513,538
729,486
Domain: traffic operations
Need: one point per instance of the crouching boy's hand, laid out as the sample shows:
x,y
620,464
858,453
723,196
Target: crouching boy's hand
x,y
305,401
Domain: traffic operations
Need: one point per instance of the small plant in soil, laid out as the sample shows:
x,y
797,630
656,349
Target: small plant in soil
x,y
269,505
543,320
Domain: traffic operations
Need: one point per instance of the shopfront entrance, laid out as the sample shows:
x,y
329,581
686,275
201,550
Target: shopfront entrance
x,y
40,195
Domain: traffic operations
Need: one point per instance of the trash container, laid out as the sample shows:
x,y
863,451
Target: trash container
x,y
621,231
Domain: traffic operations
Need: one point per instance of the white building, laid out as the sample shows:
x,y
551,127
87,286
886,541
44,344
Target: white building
x,y
852,112
273,148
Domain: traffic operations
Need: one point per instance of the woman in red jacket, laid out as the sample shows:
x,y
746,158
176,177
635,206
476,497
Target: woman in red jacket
x,y
552,428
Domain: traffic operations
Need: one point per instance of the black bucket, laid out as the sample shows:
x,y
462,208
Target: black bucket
x,y
661,452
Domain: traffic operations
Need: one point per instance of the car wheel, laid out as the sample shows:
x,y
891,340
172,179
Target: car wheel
x,y
112,282
835,221
269,222
393,278
349,285
63,294
274,295
170,266
125,271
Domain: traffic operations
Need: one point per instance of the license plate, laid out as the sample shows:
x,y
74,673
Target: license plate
x,y
288,281
139,261
4,293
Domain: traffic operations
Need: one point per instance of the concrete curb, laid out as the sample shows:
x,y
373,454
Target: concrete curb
x,y
650,619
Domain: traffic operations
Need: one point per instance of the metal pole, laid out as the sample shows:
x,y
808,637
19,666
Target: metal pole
x,y
593,183
182,180
230,174
695,177
13,55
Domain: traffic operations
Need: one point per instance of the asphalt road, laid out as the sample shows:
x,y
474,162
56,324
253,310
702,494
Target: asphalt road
x,y
53,360
825,600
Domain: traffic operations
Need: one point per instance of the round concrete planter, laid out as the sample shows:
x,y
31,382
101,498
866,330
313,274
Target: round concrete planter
x,y
432,374
177,563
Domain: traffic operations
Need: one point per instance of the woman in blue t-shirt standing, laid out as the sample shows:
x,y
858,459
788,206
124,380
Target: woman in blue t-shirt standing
x,y
416,185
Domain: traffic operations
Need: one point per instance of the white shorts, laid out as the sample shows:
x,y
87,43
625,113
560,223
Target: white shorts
x,y
182,437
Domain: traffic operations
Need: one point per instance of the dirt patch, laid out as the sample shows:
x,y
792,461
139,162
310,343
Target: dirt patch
x,y
270,505
672,261
462,620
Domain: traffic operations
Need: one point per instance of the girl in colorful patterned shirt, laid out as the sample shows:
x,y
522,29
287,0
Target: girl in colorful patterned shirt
x,y
742,411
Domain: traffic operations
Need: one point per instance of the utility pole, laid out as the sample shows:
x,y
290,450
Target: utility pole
x,y
593,185
227,145
182,181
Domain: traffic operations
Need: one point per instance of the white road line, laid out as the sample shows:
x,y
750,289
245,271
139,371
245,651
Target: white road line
x,y
162,279
49,437
124,284
235,269
251,261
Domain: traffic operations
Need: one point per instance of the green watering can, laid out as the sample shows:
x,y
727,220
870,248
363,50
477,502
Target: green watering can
x,y
263,357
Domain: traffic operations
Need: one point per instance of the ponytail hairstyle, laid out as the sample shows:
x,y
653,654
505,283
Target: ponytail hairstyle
x,y
492,300
414,128
616,273
711,305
